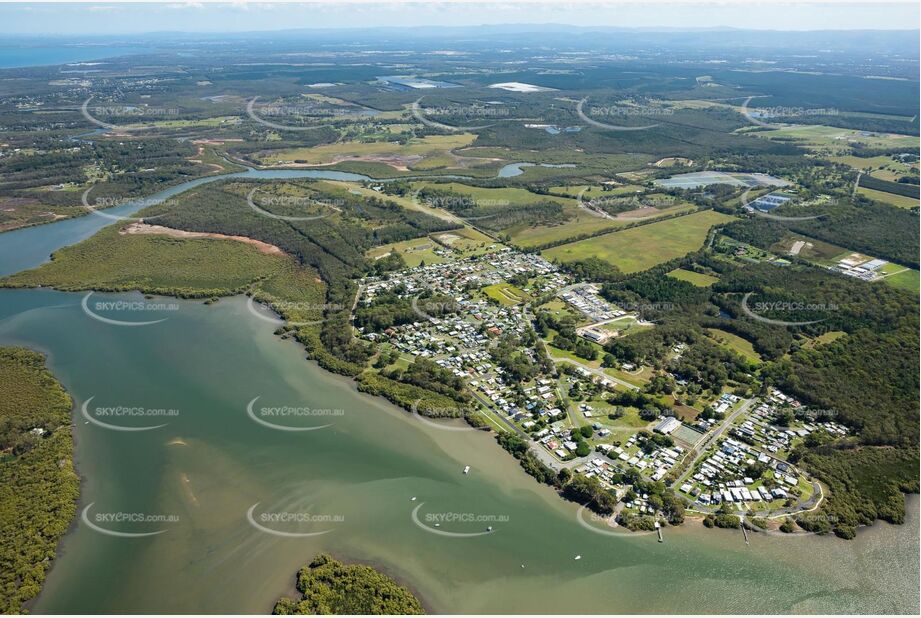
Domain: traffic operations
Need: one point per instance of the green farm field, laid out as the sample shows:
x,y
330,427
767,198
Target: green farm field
x,y
393,153
643,247
900,201
838,141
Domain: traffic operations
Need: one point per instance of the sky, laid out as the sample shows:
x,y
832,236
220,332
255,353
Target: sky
x,y
91,18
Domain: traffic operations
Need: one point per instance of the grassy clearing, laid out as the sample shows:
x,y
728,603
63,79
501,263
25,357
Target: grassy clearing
x,y
511,196
414,251
643,247
638,377
900,201
626,325
591,192
735,343
464,242
582,222
908,279
815,250
884,167
506,294
699,279
406,202
837,141
824,338
397,155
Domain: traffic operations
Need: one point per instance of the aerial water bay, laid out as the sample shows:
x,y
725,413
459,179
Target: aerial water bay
x,y
211,463
226,503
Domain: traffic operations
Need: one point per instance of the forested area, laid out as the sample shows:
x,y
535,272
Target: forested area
x,y
867,378
876,229
328,586
38,484
494,217
898,188
333,244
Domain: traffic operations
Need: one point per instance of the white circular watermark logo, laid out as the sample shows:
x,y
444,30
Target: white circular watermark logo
x,y
95,522
125,112
272,522
293,201
292,307
115,412
783,306
101,203
624,111
421,114
447,413
285,412
285,111
125,306
780,112
432,522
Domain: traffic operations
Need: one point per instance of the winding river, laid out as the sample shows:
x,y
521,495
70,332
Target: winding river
x,y
213,512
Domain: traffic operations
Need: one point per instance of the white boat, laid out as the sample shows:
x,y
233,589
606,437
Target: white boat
x,y
579,557
466,469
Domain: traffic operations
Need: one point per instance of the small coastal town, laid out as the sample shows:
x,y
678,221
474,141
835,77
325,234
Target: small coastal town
x,y
382,308
730,455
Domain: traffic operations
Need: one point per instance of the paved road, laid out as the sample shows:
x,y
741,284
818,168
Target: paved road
x,y
727,423
596,372
488,405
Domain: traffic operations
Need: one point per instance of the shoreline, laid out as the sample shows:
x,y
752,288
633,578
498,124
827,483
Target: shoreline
x,y
690,515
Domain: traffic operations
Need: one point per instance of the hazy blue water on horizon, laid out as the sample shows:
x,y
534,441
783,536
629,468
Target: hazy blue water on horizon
x,y
19,55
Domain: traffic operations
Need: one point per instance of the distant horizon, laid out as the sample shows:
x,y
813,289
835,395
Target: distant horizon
x,y
523,26
124,19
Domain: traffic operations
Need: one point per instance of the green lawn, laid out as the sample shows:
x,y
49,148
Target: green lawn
x,y
506,294
414,251
908,279
645,246
699,279
735,343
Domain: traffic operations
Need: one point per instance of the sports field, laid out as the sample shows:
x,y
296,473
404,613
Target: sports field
x,y
645,246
